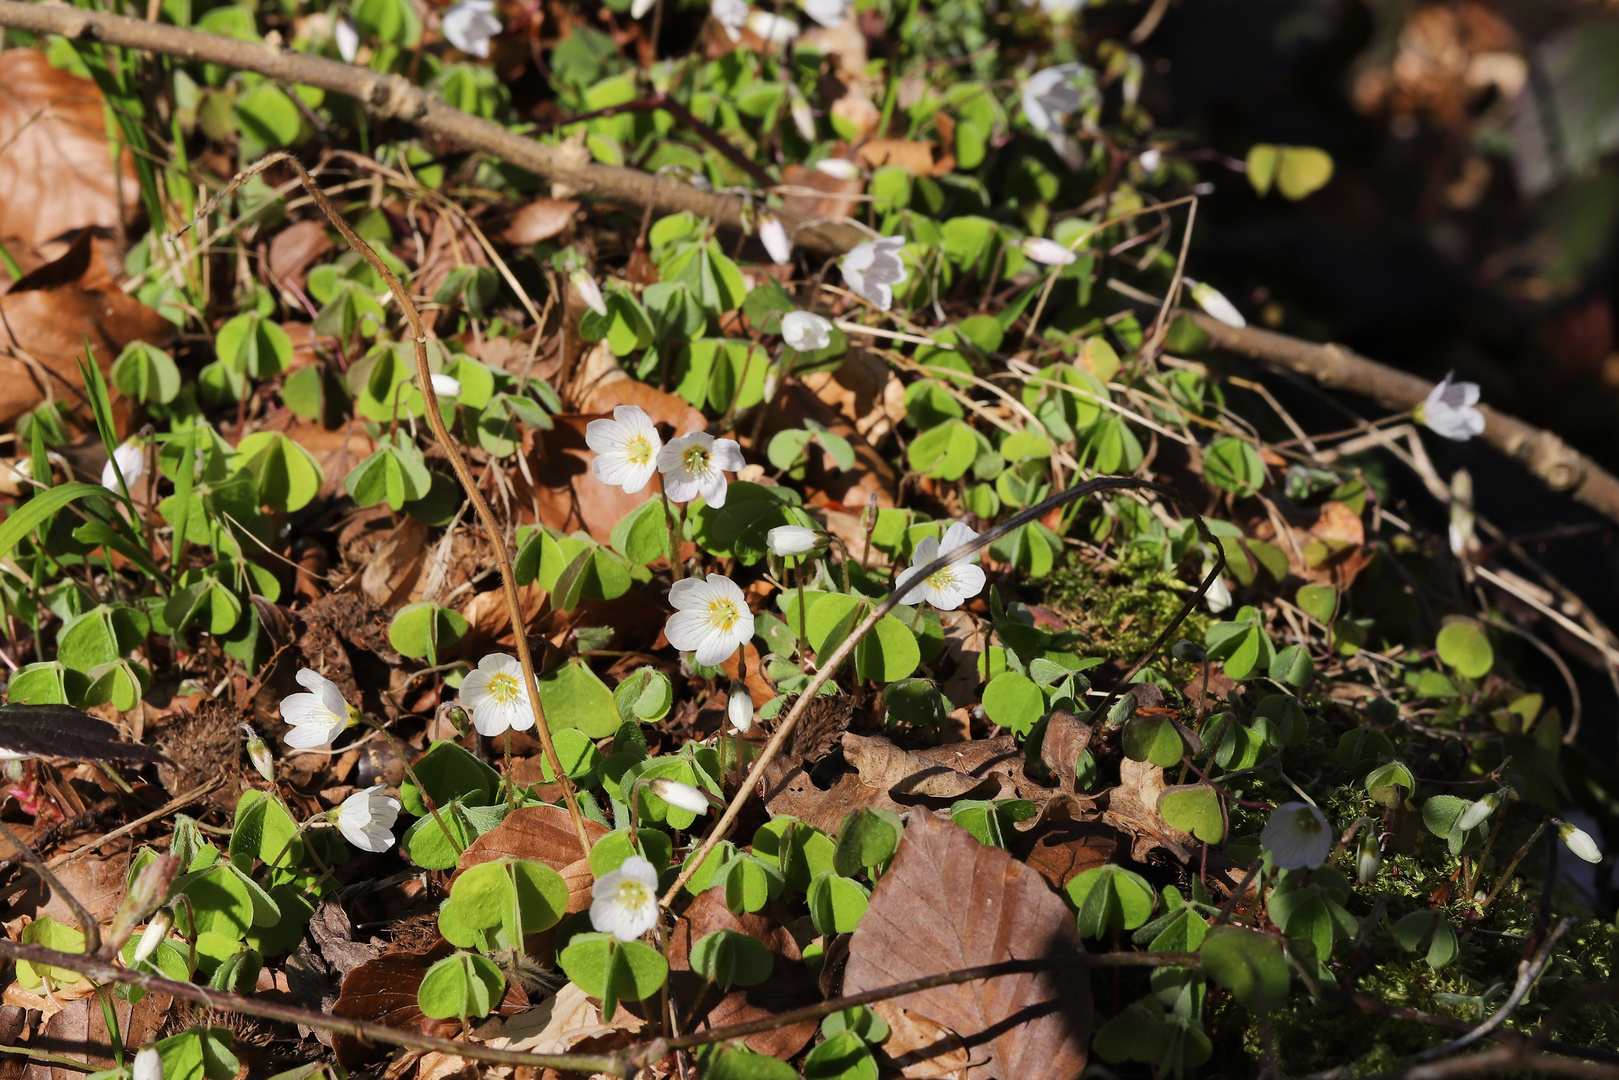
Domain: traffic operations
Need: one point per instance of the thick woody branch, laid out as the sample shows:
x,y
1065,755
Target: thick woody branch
x,y
1551,460
395,97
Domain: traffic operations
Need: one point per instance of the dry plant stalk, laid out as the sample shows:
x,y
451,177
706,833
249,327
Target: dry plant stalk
x,y
463,472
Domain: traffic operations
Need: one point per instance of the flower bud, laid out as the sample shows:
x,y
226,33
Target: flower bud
x,y
148,1065
147,893
788,540
156,931
259,754
1478,812
1369,859
739,707
456,715
1189,652
681,796
1579,842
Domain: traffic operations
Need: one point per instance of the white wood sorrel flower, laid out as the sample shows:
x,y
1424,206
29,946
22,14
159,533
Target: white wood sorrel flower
x,y
732,15
806,331
624,903
588,290
739,706
1214,302
470,24
317,717
776,29
1450,410
626,448
493,694
695,464
131,461
347,39
1297,836
148,1065
872,270
1579,842
788,540
829,13
838,168
1049,97
948,588
711,618
366,819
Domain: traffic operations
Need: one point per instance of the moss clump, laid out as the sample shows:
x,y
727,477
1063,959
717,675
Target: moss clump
x,y
1120,606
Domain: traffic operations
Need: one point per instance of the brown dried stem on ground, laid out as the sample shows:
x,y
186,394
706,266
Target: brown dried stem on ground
x,y
463,473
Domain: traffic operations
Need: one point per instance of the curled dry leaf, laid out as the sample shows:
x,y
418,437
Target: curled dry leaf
x,y
812,193
948,902
561,1023
1066,737
790,984
48,316
79,1031
1133,808
1062,848
957,771
56,171
294,249
924,158
922,1049
540,220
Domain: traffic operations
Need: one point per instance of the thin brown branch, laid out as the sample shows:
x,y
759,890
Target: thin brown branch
x,y
1551,460
101,971
87,922
395,97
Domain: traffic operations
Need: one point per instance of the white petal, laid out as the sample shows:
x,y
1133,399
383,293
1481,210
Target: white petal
x,y
1048,252
838,169
727,455
348,40
688,630
680,795
955,536
693,593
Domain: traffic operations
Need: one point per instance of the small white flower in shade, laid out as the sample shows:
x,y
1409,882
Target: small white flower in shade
x,y
805,331
681,796
1369,859
148,1065
347,39
1213,301
711,618
732,15
789,540
773,234
739,707
1046,251
838,168
829,13
803,115
775,29
446,385
696,464
317,717
1478,812
588,290
1297,836
1579,842
1450,411
641,7
131,460
624,903
1150,160
156,932
1058,10
626,448
470,24
874,268
948,588
1218,596
493,694
366,819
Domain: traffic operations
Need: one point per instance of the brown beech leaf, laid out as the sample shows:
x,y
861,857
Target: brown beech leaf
x,y
560,1023
1066,738
944,772
383,991
49,314
542,834
56,169
1062,848
294,249
812,193
79,1031
790,984
949,902
921,158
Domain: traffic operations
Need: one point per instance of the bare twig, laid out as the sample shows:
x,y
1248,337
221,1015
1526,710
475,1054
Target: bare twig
x,y
87,922
1528,972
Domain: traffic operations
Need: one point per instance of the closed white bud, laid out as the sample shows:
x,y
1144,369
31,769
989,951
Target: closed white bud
x,y
739,707
259,754
788,540
154,935
682,796
1369,859
148,1065
1579,842
1213,301
588,291
1478,812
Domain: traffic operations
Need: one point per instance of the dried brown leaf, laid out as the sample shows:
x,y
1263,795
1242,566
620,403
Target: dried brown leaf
x,y
948,902
56,168
79,1031
540,220
542,834
946,772
922,1049
294,249
924,158
1133,807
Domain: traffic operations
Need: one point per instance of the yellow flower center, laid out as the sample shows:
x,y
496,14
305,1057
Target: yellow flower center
x,y
639,450
943,579
503,688
695,459
632,894
722,614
